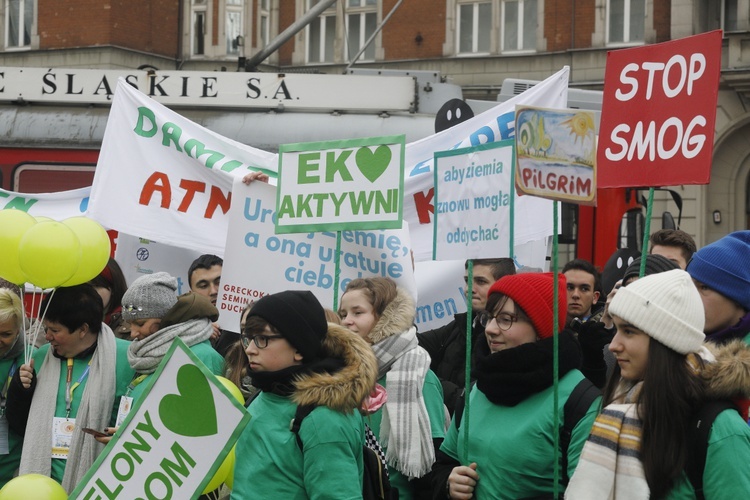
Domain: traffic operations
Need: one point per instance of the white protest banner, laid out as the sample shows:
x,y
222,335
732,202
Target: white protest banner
x,y
474,199
58,206
173,440
330,186
165,178
151,183
258,262
139,256
556,154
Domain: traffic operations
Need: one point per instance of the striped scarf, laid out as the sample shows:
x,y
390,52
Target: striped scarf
x,y
405,429
610,467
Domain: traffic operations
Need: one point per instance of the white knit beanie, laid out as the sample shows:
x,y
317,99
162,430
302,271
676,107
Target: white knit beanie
x,y
666,306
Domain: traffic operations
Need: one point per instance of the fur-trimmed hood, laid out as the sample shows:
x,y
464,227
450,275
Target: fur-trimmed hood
x,y
729,376
397,317
346,389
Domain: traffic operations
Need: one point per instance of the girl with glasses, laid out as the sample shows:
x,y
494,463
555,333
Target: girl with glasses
x,y
297,359
512,427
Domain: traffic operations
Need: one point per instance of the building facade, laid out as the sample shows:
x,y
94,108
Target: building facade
x,y
476,44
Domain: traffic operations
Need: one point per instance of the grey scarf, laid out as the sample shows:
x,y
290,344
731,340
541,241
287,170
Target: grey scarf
x,y
405,428
145,355
95,411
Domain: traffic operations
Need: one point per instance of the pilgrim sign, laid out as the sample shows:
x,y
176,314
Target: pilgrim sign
x,y
337,185
173,440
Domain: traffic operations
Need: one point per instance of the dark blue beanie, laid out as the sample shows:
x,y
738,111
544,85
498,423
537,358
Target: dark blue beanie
x,y
725,267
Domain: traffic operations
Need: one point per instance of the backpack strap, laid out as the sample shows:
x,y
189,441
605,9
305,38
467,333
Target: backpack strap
x,y
698,433
296,422
576,407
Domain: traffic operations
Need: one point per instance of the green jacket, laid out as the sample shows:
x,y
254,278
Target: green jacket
x,y
269,463
513,446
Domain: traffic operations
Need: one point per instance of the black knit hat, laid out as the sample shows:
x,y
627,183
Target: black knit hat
x,y
298,316
654,264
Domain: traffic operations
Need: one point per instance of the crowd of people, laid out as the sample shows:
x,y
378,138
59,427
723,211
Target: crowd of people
x,y
647,395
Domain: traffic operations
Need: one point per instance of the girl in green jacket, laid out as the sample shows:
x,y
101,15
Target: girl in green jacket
x,y
512,426
640,445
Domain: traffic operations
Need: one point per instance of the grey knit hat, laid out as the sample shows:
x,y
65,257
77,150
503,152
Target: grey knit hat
x,y
666,306
149,296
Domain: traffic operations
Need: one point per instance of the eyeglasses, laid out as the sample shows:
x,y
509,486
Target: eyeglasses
x,y
261,341
504,320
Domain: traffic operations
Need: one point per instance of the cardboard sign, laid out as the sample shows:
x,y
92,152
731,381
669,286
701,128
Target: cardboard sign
x,y
259,262
332,186
556,154
658,113
474,202
173,440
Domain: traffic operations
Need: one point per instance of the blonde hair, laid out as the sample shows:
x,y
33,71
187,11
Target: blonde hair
x,y
11,308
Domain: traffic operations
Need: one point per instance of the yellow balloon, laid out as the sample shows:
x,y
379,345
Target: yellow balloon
x,y
95,249
233,389
49,253
14,224
226,467
42,218
33,487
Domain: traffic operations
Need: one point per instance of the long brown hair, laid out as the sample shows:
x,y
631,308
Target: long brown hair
x,y
670,393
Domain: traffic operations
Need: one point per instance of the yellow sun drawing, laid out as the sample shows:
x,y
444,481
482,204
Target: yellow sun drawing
x,y
580,125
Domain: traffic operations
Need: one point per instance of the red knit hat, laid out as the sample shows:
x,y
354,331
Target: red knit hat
x,y
533,293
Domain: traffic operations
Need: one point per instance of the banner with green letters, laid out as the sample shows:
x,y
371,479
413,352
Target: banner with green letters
x,y
174,439
338,185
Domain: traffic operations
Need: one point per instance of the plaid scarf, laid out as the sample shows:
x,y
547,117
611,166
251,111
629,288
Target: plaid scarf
x,y
405,429
610,466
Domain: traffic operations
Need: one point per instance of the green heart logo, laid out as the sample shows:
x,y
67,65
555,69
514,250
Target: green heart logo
x,y
191,412
372,165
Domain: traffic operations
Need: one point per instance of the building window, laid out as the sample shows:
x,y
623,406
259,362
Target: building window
x,y
321,35
18,19
519,25
626,21
264,23
729,15
233,25
474,27
361,21
198,28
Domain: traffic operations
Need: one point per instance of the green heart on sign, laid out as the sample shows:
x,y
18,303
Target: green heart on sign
x,y
191,412
372,165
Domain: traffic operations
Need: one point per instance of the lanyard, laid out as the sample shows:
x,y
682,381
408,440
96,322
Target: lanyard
x,y
70,388
4,394
137,379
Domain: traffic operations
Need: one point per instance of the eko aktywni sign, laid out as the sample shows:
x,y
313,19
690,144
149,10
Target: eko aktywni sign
x,y
337,185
